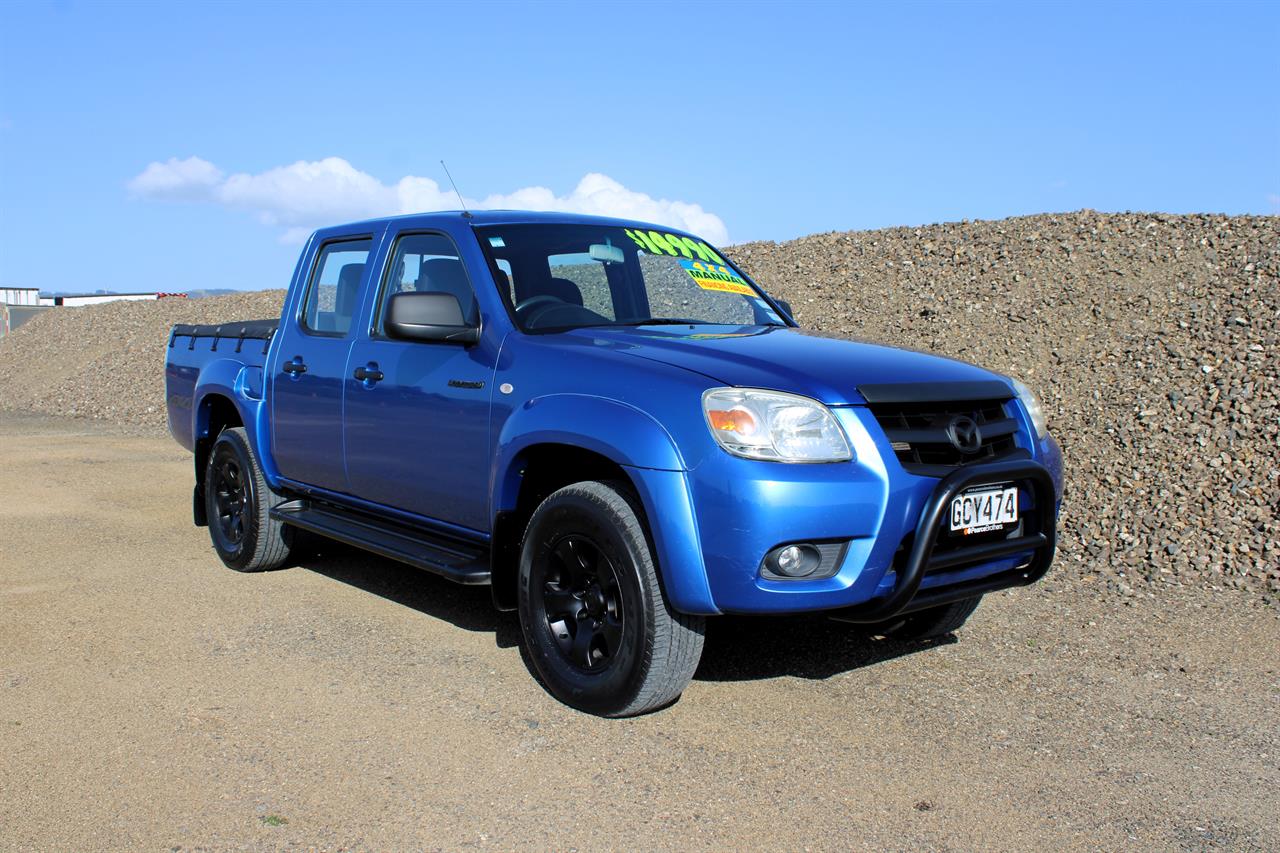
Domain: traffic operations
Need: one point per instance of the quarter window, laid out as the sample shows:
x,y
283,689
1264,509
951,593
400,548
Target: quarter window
x,y
334,292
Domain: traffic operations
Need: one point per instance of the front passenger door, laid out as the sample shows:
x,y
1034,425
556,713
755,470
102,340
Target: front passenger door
x,y
417,413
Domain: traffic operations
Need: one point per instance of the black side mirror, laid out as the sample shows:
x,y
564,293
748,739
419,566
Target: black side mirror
x,y
786,306
415,316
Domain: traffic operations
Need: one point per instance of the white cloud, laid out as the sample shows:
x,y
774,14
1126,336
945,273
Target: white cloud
x,y
191,179
601,195
310,194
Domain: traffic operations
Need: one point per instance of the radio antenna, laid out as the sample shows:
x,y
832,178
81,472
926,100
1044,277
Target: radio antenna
x,y
465,212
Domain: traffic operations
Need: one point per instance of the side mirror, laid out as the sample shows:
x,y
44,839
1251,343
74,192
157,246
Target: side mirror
x,y
786,306
415,316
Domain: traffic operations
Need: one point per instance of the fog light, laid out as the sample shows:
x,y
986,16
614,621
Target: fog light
x,y
794,561
789,559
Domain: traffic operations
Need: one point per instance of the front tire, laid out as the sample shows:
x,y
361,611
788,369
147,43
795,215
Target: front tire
x,y
597,627
932,623
238,505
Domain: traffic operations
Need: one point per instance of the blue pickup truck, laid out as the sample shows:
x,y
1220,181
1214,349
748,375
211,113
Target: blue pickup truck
x,y
614,428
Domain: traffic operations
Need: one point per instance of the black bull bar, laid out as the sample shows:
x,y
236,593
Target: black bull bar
x,y
907,597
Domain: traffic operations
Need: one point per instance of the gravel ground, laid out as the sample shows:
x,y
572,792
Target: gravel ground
x,y
150,698
1153,339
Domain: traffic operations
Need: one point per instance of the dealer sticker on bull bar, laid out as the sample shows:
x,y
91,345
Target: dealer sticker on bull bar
x,y
710,276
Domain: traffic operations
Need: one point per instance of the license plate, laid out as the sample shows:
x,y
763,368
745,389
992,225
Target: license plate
x,y
985,509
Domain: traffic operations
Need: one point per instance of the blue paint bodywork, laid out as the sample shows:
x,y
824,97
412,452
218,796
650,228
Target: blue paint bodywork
x,y
421,450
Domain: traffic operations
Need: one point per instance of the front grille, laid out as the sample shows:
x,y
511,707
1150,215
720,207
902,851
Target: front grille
x,y
918,433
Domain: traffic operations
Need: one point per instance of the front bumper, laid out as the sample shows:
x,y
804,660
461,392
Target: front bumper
x,y
923,557
888,518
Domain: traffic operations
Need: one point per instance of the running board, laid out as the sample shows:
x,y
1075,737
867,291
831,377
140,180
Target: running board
x,y
459,561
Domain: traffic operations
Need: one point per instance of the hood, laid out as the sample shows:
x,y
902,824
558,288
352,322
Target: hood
x,y
828,369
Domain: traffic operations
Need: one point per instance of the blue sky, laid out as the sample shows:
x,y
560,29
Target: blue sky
x,y
753,120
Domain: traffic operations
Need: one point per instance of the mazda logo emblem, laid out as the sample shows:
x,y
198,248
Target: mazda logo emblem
x,y
964,434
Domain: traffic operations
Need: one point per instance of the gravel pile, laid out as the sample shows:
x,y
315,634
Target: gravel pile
x,y
106,362
1152,339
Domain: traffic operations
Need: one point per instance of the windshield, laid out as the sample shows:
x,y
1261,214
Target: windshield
x,y
561,277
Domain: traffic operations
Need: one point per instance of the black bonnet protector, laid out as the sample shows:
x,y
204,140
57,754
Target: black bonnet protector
x,y
935,392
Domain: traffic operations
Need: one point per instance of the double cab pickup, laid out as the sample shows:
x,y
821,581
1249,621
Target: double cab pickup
x,y
619,432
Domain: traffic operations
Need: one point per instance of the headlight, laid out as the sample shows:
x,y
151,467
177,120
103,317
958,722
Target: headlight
x,y
1033,407
773,425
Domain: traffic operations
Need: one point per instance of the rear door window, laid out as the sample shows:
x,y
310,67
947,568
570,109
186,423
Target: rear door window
x,y
334,291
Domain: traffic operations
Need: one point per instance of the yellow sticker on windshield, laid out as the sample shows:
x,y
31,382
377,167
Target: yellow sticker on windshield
x,y
656,243
716,277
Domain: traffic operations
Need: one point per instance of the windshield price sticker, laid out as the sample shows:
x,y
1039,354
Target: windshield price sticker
x,y
715,277
674,245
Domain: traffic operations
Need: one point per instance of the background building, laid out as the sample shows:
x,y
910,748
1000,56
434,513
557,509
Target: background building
x,y
75,300
20,304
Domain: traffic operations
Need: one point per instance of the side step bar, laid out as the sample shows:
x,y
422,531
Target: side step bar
x,y
459,561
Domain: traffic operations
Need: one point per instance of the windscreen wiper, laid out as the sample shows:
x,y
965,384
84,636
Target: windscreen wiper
x,y
676,321
662,321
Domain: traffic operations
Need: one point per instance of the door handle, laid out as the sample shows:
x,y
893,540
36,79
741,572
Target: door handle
x,y
368,374
295,367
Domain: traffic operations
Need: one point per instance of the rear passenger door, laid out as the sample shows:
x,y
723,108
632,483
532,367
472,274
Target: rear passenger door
x,y
311,360
417,435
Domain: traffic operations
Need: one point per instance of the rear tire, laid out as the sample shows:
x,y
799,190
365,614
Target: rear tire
x,y
932,623
238,505
597,627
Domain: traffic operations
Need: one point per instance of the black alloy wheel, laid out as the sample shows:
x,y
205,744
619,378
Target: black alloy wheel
x,y
581,602
238,505
231,501
598,629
